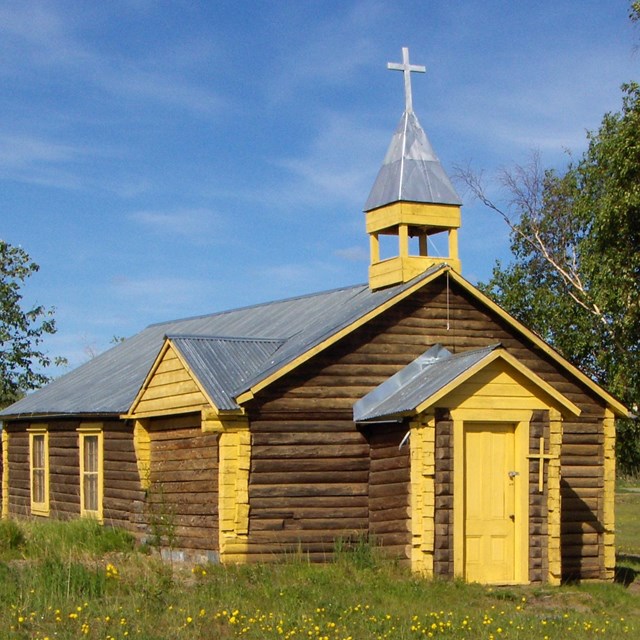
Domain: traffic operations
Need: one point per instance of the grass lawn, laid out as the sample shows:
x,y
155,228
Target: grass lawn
x,y
78,580
628,519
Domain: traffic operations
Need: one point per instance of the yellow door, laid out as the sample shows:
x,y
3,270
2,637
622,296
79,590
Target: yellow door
x,y
489,503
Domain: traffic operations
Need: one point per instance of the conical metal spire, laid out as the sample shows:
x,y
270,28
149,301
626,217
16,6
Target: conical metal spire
x,y
411,170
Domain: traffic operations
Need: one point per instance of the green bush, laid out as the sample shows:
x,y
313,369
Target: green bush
x,y
11,536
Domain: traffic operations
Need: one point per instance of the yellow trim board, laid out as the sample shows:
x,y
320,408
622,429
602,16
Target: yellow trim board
x,y
166,346
156,363
338,335
5,473
501,354
608,498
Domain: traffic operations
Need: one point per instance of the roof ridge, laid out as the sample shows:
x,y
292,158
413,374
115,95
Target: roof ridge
x,y
202,336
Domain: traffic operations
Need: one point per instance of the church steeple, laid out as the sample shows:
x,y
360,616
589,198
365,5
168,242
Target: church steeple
x,y
412,197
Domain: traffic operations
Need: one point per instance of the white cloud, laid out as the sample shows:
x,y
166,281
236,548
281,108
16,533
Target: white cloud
x,y
353,254
200,226
23,151
331,169
162,294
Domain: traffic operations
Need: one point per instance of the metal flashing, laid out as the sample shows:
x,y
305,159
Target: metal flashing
x,y
411,386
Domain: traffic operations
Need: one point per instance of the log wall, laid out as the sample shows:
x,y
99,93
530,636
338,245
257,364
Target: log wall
x,y
181,508
308,487
122,493
326,387
123,499
18,458
389,490
538,530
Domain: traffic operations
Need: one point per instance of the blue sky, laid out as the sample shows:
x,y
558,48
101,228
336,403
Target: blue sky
x,y
168,159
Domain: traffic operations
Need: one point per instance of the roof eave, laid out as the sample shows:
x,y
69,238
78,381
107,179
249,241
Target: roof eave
x,y
268,377
614,404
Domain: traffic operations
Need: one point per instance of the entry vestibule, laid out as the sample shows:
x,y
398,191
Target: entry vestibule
x,y
485,443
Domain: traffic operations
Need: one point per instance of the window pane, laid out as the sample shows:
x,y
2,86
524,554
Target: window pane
x,y
37,469
38,452
90,476
91,454
91,491
38,485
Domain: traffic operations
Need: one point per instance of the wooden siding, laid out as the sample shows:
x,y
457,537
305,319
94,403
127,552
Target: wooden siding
x,y
326,387
182,499
170,388
308,487
538,531
389,501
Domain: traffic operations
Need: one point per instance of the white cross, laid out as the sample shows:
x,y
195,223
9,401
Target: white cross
x,y
406,68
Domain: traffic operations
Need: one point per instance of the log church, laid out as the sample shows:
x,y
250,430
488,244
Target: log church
x,y
410,410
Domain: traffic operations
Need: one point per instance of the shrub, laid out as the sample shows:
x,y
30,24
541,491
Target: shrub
x,y
11,536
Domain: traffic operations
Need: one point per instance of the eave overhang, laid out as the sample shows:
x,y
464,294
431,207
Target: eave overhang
x,y
430,378
617,407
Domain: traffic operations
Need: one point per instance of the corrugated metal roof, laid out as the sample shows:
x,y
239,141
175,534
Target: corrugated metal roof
x,y
109,383
411,170
222,365
418,381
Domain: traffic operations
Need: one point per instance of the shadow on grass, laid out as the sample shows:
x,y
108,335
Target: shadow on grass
x,y
625,574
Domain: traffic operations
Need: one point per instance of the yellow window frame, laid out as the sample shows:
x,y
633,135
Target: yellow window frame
x,y
39,469
90,440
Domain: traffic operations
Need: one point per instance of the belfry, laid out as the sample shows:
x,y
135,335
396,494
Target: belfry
x,y
412,197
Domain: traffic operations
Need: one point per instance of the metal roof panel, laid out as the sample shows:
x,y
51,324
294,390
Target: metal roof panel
x,y
108,383
222,364
418,381
411,170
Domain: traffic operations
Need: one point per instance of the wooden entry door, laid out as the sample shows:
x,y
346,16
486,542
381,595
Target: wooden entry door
x,y
489,503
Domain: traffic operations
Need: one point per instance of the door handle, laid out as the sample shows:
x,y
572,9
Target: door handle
x,y
513,474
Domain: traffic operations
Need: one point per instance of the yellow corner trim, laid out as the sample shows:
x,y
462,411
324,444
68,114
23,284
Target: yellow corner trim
x,y
5,473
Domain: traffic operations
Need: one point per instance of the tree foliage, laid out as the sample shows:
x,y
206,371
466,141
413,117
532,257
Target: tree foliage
x,y
22,332
575,275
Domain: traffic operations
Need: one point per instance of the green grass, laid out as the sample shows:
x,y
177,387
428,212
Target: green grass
x,y
628,520
91,583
